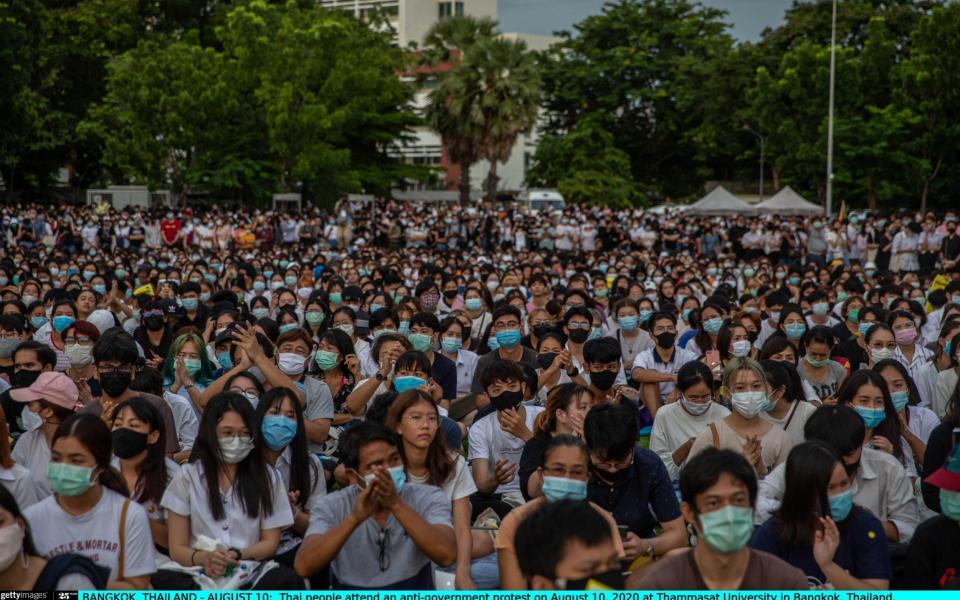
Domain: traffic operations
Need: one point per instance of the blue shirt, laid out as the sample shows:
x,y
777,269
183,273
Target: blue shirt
x,y
642,498
862,551
444,372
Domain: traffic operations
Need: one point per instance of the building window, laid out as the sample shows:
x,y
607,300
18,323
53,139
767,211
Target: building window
x,y
446,10
458,9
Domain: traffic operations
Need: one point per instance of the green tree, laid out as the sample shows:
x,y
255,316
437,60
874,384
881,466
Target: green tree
x,y
640,65
584,165
929,83
499,85
297,98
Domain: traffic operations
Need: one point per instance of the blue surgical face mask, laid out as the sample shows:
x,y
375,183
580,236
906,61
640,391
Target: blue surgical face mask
x,y
408,382
38,322
645,315
595,334
562,488
288,327
225,360
473,304
712,326
399,476
492,343
451,344
629,324
508,338
62,322
278,431
421,341
871,416
863,328
189,303
795,331
900,399
727,529
404,327
840,505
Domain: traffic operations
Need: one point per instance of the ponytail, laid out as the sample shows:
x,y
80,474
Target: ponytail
x,y
112,479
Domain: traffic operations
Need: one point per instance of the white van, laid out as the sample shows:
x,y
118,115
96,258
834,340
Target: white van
x,y
543,200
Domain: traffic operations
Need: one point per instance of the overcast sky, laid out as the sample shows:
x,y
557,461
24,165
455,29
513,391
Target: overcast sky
x,y
747,17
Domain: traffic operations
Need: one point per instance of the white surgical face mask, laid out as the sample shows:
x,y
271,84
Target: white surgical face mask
x,y
878,354
79,356
749,404
11,543
291,364
235,449
694,408
740,348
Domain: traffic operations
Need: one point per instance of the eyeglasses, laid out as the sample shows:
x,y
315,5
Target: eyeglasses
x,y
383,557
417,418
82,340
578,325
606,465
119,370
578,472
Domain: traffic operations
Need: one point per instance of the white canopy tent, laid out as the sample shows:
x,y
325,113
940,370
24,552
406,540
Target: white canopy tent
x,y
720,202
788,202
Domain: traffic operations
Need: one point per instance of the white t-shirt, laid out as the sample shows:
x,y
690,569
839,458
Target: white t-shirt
x,y
488,441
187,496
674,426
801,411
289,539
95,534
922,422
185,418
20,484
649,359
459,483
33,453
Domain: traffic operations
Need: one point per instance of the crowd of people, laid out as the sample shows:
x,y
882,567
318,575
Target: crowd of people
x,y
414,396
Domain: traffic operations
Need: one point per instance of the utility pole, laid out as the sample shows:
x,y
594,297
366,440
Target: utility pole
x,y
833,77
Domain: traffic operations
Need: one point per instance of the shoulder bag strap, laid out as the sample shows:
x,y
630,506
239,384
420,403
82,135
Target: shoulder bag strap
x,y
715,434
121,557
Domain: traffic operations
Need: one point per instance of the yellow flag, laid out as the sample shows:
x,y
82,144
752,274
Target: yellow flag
x,y
144,289
939,282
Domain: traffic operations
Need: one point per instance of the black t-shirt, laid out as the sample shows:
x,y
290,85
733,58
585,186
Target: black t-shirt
x,y
149,350
531,458
939,445
933,559
199,321
951,247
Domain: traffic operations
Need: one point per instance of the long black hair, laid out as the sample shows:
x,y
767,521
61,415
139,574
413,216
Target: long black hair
x,y
890,426
809,469
344,345
303,472
252,484
94,434
152,472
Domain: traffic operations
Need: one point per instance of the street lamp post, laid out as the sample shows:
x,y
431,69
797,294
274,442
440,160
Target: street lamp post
x,y
751,130
833,69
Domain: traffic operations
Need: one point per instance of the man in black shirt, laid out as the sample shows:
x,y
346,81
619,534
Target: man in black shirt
x,y
950,250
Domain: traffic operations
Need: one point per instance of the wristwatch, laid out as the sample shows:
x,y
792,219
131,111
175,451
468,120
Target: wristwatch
x,y
573,372
380,376
237,552
649,550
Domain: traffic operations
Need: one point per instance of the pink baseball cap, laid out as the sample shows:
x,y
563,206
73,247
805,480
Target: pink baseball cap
x,y
52,386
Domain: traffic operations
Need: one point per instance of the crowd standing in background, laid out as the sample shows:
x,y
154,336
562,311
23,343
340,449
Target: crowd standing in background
x,y
401,396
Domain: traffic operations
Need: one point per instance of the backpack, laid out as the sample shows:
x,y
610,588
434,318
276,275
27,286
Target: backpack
x,y
70,564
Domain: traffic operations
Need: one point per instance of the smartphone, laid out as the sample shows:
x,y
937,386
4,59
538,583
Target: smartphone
x,y
713,358
623,530
956,436
628,392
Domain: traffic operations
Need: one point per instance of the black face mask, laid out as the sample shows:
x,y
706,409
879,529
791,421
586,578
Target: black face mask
x,y
612,579
546,359
507,400
616,477
450,294
579,336
128,443
542,330
666,339
114,384
23,378
602,380
153,323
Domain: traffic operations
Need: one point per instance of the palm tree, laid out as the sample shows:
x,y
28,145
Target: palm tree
x,y
445,45
505,85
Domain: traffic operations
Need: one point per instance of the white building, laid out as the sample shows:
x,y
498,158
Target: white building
x,y
413,18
